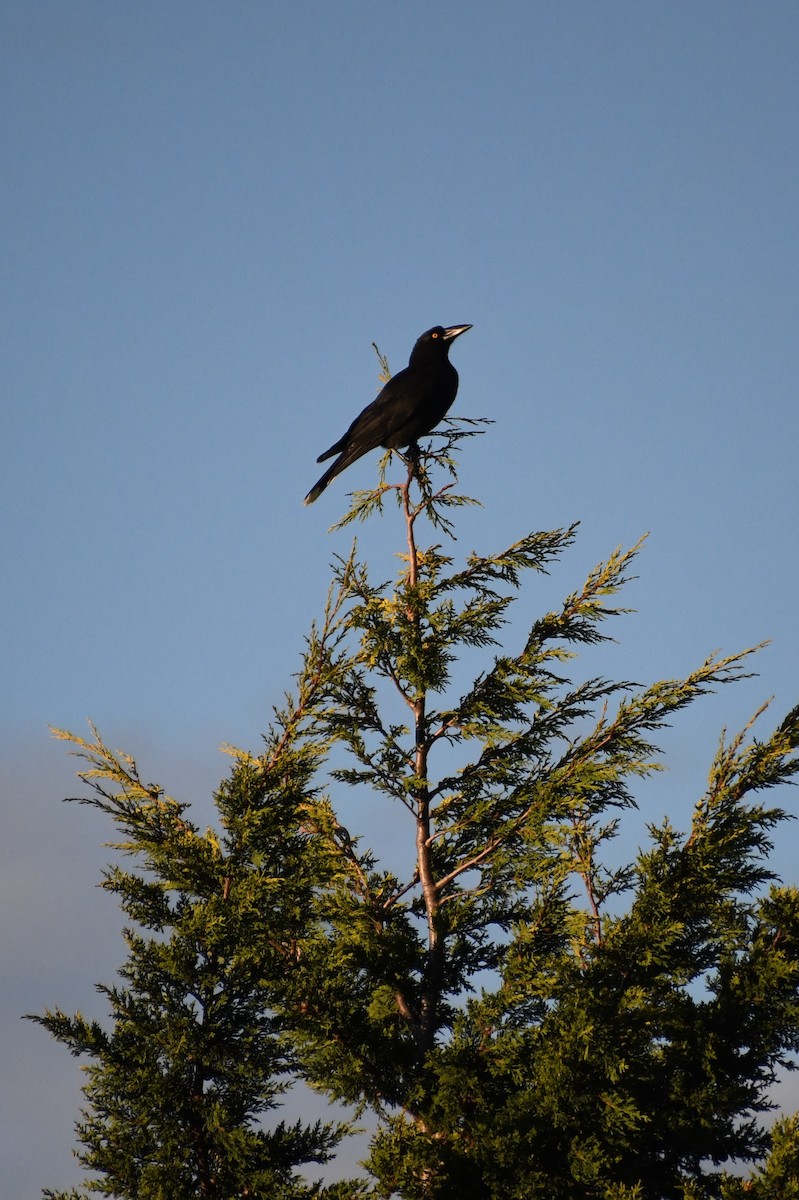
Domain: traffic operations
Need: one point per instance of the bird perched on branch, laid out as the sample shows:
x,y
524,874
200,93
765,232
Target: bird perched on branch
x,y
410,405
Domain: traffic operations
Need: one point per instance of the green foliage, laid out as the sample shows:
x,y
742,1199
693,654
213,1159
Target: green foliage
x,y
524,1018
622,1042
194,1058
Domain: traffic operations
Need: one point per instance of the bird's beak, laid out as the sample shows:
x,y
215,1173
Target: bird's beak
x,y
455,331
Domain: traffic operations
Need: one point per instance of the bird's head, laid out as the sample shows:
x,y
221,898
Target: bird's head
x,y
437,340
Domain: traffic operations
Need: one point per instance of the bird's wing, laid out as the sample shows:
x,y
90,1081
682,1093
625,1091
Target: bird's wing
x,y
366,431
404,395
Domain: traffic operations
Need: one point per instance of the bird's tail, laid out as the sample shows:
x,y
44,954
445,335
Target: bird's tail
x,y
321,484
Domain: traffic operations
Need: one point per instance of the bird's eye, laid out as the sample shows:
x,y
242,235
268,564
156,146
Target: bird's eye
x,y
434,334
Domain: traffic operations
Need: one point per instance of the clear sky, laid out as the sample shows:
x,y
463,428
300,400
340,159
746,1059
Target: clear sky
x,y
210,211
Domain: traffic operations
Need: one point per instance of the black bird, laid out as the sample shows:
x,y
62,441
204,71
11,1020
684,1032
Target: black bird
x,y
409,406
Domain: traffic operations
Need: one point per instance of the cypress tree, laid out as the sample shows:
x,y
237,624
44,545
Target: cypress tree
x,y
523,1016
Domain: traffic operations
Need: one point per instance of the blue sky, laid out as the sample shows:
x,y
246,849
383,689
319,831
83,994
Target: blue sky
x,y
211,211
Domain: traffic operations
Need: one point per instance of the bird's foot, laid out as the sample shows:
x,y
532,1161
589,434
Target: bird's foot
x,y
412,457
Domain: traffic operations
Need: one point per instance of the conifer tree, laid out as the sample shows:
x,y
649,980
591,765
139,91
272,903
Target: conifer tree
x,y
524,1019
